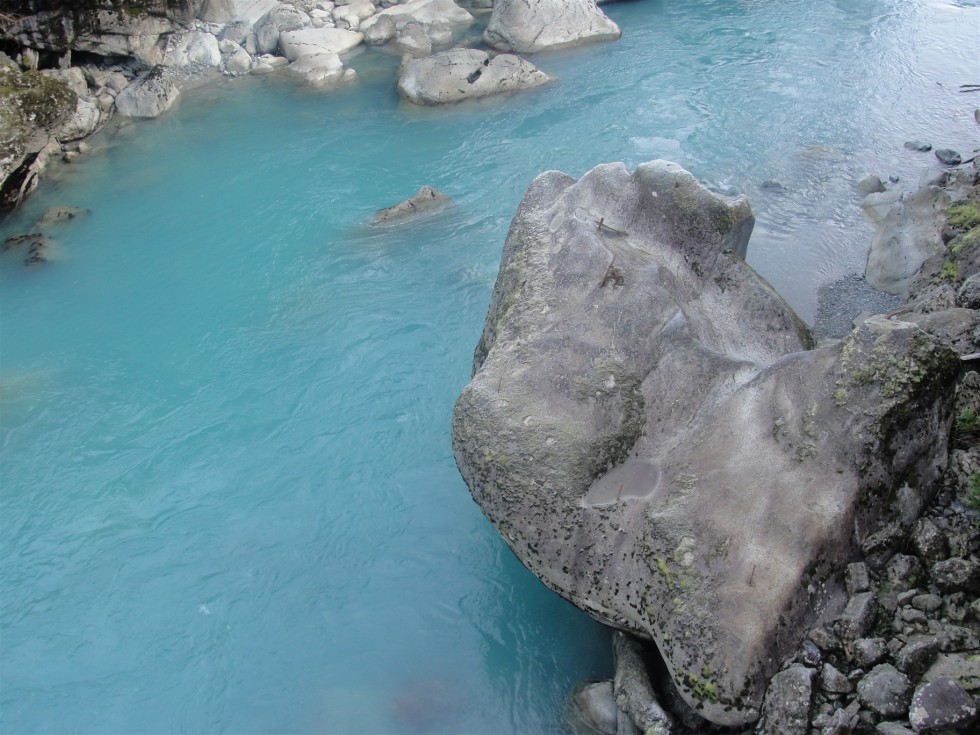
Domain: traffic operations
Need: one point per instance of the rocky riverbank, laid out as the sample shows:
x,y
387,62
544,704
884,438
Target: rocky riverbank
x,y
86,62
789,529
891,382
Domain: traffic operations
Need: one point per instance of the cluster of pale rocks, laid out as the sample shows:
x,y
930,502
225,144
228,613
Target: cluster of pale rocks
x,y
135,64
313,39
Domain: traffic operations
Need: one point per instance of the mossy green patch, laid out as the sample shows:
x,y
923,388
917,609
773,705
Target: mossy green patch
x,y
964,215
966,241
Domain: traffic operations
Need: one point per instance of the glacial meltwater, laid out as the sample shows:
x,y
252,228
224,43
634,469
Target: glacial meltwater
x,y
229,501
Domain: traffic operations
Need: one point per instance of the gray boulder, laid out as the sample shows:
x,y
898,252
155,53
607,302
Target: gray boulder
x,y
523,27
788,703
886,691
84,122
150,96
413,40
323,71
635,696
192,47
458,74
941,706
649,433
380,32
306,42
281,18
72,76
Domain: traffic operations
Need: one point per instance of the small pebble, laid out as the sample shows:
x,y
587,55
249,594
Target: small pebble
x,y
919,146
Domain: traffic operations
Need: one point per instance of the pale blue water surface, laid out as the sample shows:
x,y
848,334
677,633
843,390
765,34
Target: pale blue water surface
x,y
229,502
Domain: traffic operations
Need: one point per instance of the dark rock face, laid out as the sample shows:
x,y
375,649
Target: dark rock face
x,y
649,432
104,27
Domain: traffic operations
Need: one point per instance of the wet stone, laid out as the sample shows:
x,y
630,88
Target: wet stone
x,y
918,146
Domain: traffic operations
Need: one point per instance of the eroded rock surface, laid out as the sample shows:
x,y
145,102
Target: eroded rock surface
x,y
458,74
651,434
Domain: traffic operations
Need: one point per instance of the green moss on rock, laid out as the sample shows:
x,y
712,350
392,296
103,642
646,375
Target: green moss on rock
x,y
964,215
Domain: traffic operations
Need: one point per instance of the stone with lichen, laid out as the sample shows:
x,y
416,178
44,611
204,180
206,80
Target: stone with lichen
x,y
651,432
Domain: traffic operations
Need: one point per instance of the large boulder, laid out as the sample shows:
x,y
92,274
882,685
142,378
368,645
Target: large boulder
x,y
421,11
282,17
322,71
460,73
151,95
192,47
296,45
650,432
523,27
84,122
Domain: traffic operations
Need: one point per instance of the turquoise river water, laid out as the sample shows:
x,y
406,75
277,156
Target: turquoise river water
x,y
229,502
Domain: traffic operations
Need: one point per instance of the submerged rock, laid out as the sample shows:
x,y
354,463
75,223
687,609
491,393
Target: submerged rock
x,y
426,201
458,74
523,27
60,214
650,432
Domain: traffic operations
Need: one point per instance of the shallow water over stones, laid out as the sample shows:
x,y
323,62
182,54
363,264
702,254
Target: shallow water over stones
x,y
229,500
